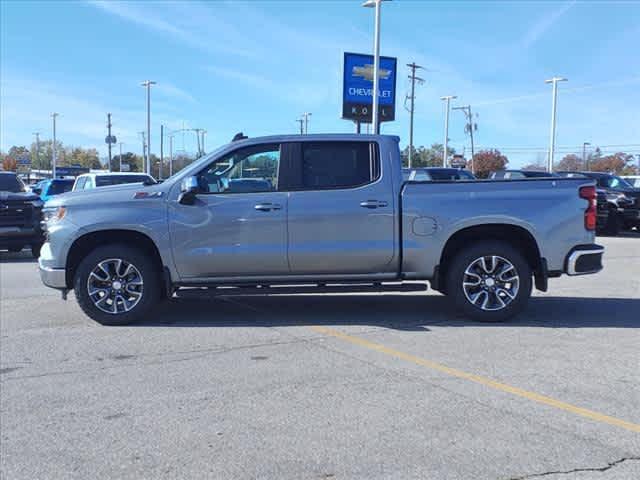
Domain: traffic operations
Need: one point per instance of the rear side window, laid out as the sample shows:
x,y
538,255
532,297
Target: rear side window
x,y
514,175
107,180
331,165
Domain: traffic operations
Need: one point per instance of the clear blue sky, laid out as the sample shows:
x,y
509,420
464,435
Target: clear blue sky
x,y
256,66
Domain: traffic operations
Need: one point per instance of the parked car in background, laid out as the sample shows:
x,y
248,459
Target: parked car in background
x,y
88,181
623,199
36,186
519,174
633,180
20,215
326,213
436,174
50,188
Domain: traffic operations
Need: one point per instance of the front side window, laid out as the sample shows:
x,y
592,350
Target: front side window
x,y
247,170
330,165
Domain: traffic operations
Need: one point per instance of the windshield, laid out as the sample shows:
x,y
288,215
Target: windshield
x,y
106,180
60,186
11,183
617,182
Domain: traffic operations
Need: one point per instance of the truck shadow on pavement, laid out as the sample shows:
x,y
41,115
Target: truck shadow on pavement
x,y
17,257
399,312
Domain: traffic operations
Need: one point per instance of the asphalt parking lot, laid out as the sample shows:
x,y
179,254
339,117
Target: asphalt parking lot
x,y
326,386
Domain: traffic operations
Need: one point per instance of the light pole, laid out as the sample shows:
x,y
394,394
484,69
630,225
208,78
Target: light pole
x,y
120,143
147,84
204,133
584,155
554,98
144,151
171,135
301,122
197,131
376,63
470,127
306,116
445,149
53,147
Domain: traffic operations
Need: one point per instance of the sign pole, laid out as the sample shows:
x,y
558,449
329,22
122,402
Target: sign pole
x,y
109,138
376,71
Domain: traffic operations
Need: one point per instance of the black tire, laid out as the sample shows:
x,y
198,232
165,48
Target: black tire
x,y
456,276
35,250
614,223
147,298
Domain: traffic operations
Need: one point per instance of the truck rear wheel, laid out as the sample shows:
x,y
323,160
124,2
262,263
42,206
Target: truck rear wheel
x,y
489,282
117,285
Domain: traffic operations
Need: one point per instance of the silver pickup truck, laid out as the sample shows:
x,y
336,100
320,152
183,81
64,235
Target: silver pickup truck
x,y
316,213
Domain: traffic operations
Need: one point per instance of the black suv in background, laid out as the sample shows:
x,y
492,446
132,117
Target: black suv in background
x,y
20,215
623,200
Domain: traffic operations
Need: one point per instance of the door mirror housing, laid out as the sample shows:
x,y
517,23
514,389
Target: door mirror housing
x,y
188,190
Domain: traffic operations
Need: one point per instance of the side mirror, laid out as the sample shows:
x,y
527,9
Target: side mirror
x,y
188,191
37,191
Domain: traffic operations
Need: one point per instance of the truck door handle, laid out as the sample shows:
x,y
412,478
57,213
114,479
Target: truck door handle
x,y
373,204
267,207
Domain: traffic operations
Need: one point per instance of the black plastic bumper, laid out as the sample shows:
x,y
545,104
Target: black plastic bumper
x,y
584,259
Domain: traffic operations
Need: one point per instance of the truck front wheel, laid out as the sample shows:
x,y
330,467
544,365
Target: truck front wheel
x,y
117,285
489,282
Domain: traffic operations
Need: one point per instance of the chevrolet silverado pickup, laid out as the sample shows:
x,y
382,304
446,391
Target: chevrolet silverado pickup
x,y
316,213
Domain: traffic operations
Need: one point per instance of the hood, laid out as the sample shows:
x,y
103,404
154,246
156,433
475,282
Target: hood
x,y
111,193
18,196
630,192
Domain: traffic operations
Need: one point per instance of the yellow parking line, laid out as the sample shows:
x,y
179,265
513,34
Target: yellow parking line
x,y
583,412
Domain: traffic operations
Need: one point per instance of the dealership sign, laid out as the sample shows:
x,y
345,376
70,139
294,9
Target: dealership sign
x,y
357,88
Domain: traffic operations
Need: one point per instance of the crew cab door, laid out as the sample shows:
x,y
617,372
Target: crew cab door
x,y
238,223
341,210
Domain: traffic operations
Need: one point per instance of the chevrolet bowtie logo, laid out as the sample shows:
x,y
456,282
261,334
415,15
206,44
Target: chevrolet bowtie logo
x,y
366,72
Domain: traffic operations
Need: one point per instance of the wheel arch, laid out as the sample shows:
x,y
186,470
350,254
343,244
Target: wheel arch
x,y
516,236
87,242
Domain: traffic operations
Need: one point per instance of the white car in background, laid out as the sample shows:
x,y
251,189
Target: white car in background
x,y
88,181
634,180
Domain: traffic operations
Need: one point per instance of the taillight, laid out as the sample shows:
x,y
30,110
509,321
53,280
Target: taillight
x,y
589,194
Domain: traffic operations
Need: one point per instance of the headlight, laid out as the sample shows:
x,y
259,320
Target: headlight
x,y
618,197
53,214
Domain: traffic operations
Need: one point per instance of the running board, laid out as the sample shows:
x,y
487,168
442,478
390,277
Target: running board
x,y
300,289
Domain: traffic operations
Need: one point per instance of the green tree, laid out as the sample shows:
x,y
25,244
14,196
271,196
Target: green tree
x,y
84,157
41,155
134,161
426,157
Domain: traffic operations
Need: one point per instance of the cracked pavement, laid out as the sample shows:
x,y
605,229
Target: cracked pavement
x,y
245,388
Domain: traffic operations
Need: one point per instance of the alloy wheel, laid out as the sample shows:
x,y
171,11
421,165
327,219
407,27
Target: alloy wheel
x,y
115,286
491,282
